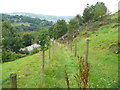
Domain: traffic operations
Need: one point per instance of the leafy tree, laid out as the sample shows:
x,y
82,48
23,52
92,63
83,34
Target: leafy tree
x,y
100,10
44,42
52,31
7,29
88,13
80,19
10,40
94,12
59,29
73,25
44,39
27,39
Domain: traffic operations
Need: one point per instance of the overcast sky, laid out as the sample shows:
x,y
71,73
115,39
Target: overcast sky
x,y
53,7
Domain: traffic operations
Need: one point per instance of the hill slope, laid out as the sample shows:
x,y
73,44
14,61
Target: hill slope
x,y
26,23
103,59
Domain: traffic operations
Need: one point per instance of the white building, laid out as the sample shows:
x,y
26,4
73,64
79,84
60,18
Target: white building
x,y
31,47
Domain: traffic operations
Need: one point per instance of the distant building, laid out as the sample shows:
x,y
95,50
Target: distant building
x,y
31,47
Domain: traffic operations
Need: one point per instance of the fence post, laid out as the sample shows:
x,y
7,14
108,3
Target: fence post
x,y
49,50
53,46
49,53
13,78
43,60
71,46
75,48
87,47
67,43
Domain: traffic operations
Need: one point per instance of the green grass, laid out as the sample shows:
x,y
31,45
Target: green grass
x,y
26,69
55,72
102,58
114,16
19,24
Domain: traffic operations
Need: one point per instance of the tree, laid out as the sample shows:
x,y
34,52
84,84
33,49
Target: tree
x,y
44,39
44,42
7,29
27,39
59,29
100,10
80,19
10,40
52,31
94,12
88,13
73,25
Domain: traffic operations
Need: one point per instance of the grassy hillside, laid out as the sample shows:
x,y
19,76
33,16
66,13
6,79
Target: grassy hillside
x,y
29,70
19,24
103,59
102,56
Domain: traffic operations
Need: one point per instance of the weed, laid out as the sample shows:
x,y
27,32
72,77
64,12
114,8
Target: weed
x,y
82,77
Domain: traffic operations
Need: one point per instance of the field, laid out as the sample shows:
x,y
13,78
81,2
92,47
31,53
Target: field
x,y
103,59
19,24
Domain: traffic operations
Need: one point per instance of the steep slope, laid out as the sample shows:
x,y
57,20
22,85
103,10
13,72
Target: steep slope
x,y
103,59
103,56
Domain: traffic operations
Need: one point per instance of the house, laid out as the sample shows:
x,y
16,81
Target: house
x,y
30,48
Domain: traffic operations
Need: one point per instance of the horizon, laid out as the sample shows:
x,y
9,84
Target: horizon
x,y
35,13
53,7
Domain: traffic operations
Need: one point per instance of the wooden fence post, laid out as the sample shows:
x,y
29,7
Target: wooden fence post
x,y
71,46
49,50
87,47
67,44
43,60
53,46
49,53
13,78
75,48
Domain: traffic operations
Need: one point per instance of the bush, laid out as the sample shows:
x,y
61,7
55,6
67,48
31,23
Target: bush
x,y
35,50
26,52
11,56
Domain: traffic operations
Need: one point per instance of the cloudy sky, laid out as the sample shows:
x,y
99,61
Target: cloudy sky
x,y
53,7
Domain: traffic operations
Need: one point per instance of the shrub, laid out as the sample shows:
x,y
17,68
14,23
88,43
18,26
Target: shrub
x,y
11,56
26,52
35,50
6,56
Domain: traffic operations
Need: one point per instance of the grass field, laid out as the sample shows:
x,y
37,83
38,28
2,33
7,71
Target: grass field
x,y
19,24
103,59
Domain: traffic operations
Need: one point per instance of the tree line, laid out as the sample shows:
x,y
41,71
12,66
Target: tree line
x,y
90,14
13,41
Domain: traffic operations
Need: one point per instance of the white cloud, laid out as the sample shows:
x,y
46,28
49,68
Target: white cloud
x,y
53,7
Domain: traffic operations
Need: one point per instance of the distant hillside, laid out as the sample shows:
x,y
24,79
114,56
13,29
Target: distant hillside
x,y
25,23
41,16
